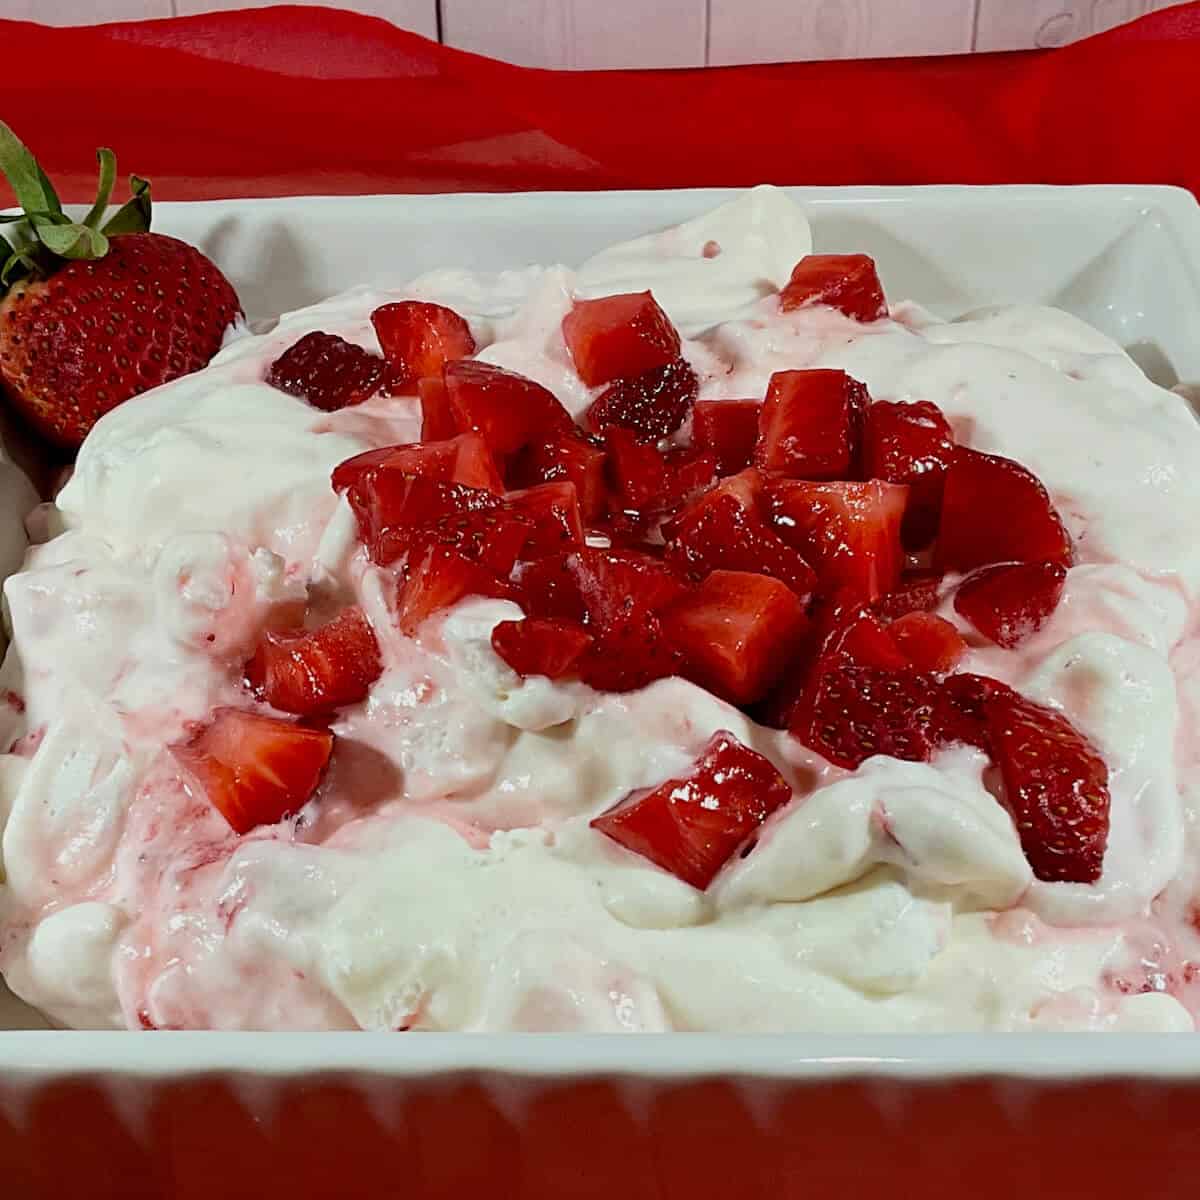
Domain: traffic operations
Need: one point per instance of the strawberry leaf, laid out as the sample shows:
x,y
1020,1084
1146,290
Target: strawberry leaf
x,y
34,192
108,176
73,240
134,215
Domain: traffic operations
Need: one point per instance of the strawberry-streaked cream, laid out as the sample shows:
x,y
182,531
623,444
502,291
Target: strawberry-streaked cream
x,y
445,875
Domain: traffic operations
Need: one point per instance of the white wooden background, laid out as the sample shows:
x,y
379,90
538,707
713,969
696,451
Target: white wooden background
x,y
655,33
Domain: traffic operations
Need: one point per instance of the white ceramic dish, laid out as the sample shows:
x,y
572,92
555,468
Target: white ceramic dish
x,y
677,1115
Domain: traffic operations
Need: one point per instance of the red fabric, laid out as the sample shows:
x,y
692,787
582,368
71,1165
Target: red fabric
x,y
295,100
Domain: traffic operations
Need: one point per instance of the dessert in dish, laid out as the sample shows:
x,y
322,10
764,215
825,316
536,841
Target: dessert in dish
x,y
521,652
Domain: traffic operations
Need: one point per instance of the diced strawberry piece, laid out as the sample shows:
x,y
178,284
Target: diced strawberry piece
x,y
995,511
724,529
693,826
653,404
617,337
572,456
541,647
437,418
647,481
929,642
464,459
1009,603
508,409
254,770
549,589
419,339
327,371
811,424
439,579
737,632
849,532
728,430
912,444
1055,785
959,711
917,591
848,282
553,510
313,671
629,654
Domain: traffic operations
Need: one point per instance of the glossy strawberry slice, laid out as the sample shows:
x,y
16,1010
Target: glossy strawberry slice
x,y
618,337
959,710
508,409
553,510
541,647
327,371
810,424
724,529
917,591
848,282
549,588
439,579
912,444
419,339
1010,603
313,671
693,826
728,430
570,456
653,404
1055,785
437,420
995,511
254,770
849,532
464,459
930,643
736,632
646,481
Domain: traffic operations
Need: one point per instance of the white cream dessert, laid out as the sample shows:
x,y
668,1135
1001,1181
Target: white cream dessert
x,y
477,854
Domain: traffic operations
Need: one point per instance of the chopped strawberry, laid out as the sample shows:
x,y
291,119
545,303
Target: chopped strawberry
x,y
725,529
313,671
736,632
440,578
1055,785
647,481
912,444
1009,603
327,371
848,282
618,337
437,419
254,770
553,510
849,532
959,710
693,826
995,511
810,424
571,455
508,409
653,404
549,589
929,642
419,339
728,430
464,459
541,647
917,591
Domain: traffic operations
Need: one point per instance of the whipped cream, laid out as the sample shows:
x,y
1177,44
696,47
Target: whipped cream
x,y
445,875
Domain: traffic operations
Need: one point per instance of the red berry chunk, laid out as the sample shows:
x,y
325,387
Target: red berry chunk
x,y
437,420
570,456
918,591
810,424
647,481
653,404
1009,603
313,671
554,512
618,337
419,339
1055,785
849,532
439,579
929,642
912,444
254,770
691,827
724,529
737,632
464,459
508,409
959,713
541,647
848,282
728,430
327,371
995,511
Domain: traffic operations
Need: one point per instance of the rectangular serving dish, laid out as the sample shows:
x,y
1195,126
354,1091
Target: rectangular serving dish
x,y
681,1115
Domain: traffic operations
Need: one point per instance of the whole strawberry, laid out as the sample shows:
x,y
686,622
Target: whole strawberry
x,y
94,312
